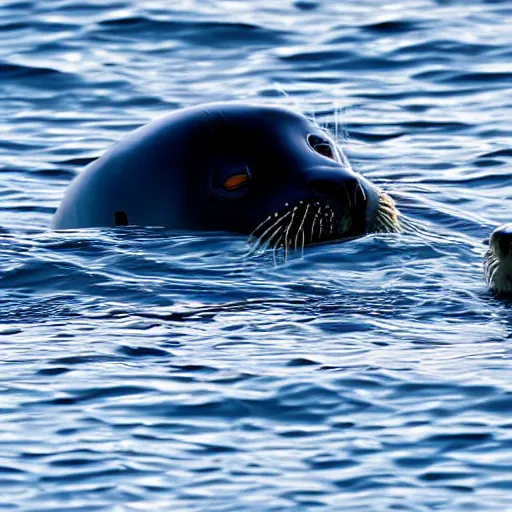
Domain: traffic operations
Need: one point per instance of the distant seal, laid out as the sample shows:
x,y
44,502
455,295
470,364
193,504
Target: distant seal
x,y
251,169
498,261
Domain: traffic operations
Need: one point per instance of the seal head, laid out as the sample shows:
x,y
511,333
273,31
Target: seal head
x,y
498,261
229,167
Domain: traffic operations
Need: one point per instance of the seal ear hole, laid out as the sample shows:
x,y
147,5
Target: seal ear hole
x,y
120,218
321,146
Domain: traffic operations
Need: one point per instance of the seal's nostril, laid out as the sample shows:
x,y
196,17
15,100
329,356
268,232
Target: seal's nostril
x,y
346,191
322,186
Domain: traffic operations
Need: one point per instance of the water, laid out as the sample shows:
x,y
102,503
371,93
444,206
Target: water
x,y
150,370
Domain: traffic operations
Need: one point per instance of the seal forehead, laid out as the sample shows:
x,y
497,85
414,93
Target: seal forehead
x,y
501,241
256,117
251,109
505,229
501,235
252,133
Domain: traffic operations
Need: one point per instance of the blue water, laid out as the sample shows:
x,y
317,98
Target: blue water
x,y
143,369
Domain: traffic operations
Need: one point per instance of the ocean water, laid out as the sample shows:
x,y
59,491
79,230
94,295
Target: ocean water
x,y
143,369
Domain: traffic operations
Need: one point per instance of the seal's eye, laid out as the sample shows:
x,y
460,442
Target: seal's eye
x,y
236,181
321,146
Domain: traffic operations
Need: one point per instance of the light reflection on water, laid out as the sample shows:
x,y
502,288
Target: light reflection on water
x,y
151,369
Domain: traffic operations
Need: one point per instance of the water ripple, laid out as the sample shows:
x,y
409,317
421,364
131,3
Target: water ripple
x,y
150,368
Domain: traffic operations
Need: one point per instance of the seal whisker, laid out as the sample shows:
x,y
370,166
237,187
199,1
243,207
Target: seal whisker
x,y
261,239
286,234
277,222
492,262
260,225
386,220
360,187
387,214
315,218
275,249
317,222
410,226
385,224
301,227
492,268
329,220
493,271
393,224
348,197
386,208
274,234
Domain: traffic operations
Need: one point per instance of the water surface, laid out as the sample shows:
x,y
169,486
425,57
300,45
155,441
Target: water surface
x,y
144,369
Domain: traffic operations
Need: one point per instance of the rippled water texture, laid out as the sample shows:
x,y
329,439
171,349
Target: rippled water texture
x,y
150,370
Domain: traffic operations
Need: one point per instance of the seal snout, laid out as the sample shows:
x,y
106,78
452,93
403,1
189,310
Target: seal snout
x,y
332,208
347,199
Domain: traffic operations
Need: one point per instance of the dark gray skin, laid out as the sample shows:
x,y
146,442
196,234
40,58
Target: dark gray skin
x,y
173,173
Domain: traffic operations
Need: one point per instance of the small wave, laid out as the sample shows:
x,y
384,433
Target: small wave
x,y
34,76
444,76
393,27
445,47
211,33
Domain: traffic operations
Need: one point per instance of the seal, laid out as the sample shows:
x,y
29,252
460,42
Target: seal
x,y
498,261
242,168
